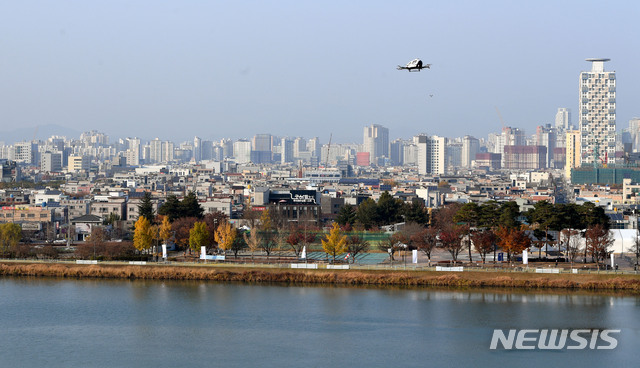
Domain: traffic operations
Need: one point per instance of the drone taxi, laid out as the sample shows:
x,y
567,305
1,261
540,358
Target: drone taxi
x,y
414,65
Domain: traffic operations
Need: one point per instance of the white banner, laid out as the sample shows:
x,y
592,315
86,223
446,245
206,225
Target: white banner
x,y
164,251
203,252
414,256
525,257
613,263
304,252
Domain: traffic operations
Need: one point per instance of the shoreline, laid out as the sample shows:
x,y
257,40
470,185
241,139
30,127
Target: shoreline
x,y
468,279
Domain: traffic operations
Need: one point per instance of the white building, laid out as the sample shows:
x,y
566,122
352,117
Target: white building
x,y
470,146
242,151
597,113
376,142
51,162
431,155
563,119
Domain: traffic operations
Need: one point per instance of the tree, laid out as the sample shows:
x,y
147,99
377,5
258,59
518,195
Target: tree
x,y
356,245
451,239
165,232
416,212
142,236
10,235
546,217
512,240
391,244
190,207
572,242
97,239
145,208
598,240
181,228
594,215
198,236
295,241
484,242
388,209
367,214
238,245
426,241
268,234
346,215
252,239
171,208
509,213
468,214
225,236
489,215
335,243
112,219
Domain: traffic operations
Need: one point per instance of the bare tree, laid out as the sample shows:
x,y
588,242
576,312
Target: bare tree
x,y
598,241
426,241
451,239
573,244
484,242
253,240
355,246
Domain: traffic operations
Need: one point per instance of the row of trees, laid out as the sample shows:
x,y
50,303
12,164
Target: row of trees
x,y
491,226
387,210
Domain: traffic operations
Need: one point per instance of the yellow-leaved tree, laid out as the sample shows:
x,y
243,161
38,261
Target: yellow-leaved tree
x,y
198,236
143,234
165,229
225,235
335,243
10,235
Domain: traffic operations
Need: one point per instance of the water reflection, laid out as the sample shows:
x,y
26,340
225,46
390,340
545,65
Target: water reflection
x,y
187,323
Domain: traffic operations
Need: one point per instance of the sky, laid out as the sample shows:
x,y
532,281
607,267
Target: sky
x,y
231,69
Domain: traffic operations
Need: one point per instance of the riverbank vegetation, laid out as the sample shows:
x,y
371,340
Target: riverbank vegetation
x,y
595,281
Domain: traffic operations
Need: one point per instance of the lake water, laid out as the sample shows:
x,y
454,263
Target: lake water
x,y
106,323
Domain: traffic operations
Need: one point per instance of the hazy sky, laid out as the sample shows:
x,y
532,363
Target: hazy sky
x,y
176,69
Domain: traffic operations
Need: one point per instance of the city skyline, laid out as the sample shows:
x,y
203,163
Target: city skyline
x,y
305,69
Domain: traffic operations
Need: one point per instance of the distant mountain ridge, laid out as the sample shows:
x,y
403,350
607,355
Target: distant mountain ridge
x,y
41,132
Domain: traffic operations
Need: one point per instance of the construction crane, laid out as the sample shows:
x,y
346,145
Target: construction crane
x,y
326,163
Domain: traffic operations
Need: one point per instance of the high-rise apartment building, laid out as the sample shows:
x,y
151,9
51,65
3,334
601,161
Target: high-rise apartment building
x,y
197,149
546,136
242,151
634,132
597,114
563,119
262,148
51,162
376,142
470,146
431,155
573,151
286,152
25,152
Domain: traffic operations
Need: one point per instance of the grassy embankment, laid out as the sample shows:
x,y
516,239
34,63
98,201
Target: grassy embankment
x,y
628,283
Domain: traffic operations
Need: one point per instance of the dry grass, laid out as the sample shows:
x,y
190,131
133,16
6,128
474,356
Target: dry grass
x,y
629,283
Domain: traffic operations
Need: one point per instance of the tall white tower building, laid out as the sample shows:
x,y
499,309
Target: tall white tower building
x,y
431,155
597,114
563,119
376,141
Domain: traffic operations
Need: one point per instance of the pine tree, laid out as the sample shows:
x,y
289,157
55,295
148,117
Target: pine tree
x,y
145,208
